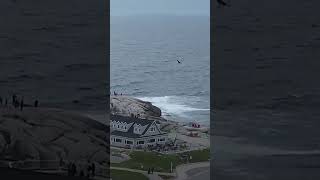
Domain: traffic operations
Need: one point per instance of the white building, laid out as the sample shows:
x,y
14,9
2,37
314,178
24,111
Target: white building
x,y
134,132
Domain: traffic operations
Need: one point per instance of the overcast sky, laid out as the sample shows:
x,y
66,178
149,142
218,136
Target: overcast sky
x,y
166,7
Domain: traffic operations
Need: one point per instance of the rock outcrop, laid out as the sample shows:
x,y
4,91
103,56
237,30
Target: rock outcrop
x,y
48,134
127,106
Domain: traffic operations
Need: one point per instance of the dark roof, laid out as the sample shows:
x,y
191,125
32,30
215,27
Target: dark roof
x,y
129,120
130,133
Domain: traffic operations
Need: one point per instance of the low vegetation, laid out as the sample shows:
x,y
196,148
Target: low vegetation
x,y
121,175
162,162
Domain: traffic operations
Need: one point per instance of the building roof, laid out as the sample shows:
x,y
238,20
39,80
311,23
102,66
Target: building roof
x,y
134,120
129,120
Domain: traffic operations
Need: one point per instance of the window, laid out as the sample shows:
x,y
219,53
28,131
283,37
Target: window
x,y
152,129
118,140
140,142
118,126
162,139
129,142
152,140
136,129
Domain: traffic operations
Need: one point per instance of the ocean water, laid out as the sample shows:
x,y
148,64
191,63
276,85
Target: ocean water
x,y
144,52
55,56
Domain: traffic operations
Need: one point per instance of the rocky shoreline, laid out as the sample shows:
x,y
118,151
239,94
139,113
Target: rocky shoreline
x,y
50,134
128,106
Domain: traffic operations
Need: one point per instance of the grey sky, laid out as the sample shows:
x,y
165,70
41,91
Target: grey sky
x,y
167,7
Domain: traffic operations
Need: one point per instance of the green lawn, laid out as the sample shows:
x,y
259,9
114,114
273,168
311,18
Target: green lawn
x,y
160,162
123,175
200,156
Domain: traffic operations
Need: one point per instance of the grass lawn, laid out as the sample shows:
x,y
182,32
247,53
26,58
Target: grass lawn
x,y
122,175
161,162
200,156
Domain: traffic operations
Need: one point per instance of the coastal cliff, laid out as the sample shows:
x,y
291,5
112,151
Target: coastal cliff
x,y
127,106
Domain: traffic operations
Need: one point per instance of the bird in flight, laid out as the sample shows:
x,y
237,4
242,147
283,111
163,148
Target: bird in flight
x,y
179,60
221,2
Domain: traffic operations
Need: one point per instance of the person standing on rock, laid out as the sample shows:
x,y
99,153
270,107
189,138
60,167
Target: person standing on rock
x,y
14,97
16,104
21,104
88,166
10,164
36,102
60,162
74,169
81,173
69,169
93,169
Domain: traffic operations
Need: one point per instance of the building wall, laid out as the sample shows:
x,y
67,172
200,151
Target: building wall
x,y
123,143
146,140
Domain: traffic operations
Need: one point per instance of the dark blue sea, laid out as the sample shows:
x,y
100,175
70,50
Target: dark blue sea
x,y
144,53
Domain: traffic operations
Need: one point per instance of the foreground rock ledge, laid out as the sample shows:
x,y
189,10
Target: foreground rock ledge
x,y
48,134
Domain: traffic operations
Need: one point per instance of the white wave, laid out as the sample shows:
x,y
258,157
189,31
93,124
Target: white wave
x,y
175,105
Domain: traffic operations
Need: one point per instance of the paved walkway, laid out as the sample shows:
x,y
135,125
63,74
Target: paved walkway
x,y
154,176
183,169
100,178
118,159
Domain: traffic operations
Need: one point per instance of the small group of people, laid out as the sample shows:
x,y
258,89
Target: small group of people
x,y
91,168
116,94
150,170
72,170
16,102
135,116
3,102
157,147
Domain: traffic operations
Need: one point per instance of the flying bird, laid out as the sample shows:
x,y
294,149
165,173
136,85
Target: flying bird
x,y
221,2
179,60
